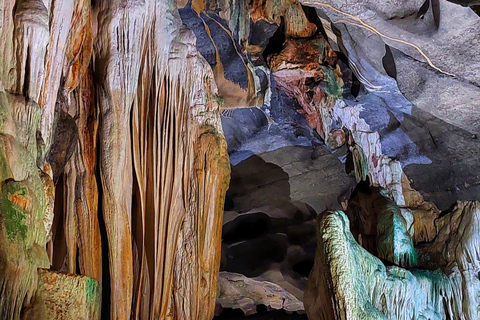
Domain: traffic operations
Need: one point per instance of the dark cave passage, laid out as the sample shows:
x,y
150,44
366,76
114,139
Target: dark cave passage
x,y
262,314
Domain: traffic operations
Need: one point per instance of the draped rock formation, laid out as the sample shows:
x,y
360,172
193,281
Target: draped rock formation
x,y
122,121
112,103
357,285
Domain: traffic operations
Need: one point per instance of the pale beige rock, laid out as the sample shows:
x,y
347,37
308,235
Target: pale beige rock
x,y
239,292
184,261
382,171
455,250
424,213
122,27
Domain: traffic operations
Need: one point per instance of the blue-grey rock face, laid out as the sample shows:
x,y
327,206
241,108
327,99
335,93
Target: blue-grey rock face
x,y
384,92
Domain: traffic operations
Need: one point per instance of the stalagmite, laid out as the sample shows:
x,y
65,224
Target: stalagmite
x,y
357,285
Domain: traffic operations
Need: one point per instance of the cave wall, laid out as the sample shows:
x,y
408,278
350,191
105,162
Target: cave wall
x,y
379,83
110,123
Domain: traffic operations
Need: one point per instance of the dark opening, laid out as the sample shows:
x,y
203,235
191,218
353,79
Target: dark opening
x,y
247,226
275,44
304,267
262,314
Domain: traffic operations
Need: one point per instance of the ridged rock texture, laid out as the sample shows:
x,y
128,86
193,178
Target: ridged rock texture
x,y
358,285
122,121
379,85
113,163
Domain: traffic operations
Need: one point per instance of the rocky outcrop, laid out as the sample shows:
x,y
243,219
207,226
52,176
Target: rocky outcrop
x,y
307,70
25,215
54,298
357,285
113,152
455,252
383,228
239,292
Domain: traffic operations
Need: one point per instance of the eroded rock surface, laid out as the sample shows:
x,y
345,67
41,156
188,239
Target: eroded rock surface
x,y
63,296
358,285
239,292
112,152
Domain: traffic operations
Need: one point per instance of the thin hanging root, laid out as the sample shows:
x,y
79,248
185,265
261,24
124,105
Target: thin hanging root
x,y
372,29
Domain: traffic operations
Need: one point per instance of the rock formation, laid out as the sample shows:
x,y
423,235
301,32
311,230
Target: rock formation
x,y
171,159
359,286
240,292
74,74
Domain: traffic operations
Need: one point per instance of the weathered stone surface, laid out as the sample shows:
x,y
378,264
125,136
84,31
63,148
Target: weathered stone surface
x,y
234,74
296,23
455,251
236,291
451,175
132,65
382,228
307,70
65,296
23,205
357,285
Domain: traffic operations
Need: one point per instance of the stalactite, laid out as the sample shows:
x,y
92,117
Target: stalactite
x,y
382,228
39,41
23,193
181,167
86,205
80,193
122,28
369,158
61,16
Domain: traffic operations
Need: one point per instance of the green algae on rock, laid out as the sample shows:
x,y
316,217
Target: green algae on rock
x,y
357,285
